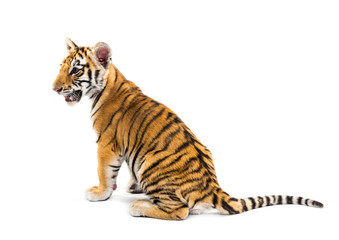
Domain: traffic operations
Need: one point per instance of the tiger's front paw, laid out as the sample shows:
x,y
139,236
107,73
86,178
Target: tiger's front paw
x,y
95,194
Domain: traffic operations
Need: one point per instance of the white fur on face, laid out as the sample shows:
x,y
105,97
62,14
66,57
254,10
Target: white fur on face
x,y
91,81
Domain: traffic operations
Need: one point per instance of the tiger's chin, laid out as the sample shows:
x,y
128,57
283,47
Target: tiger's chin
x,y
74,97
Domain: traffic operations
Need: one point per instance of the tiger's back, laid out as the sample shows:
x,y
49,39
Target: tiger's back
x,y
165,159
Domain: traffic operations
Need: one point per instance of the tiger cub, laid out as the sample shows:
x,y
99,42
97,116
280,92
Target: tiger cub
x,y
165,159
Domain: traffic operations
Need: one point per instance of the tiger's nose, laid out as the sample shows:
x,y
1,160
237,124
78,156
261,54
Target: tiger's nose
x,y
58,90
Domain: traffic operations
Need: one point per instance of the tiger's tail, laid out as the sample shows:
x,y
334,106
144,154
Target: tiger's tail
x,y
229,205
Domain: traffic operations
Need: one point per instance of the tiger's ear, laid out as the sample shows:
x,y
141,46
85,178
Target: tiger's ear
x,y
71,46
103,54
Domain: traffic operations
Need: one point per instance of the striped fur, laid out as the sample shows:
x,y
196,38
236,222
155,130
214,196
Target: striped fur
x,y
165,159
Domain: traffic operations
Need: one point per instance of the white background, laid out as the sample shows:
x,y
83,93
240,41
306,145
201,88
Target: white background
x,y
256,81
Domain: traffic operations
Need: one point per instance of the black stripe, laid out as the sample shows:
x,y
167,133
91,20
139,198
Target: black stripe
x,y
122,84
306,202
171,136
166,127
174,198
148,150
99,138
89,86
300,200
167,141
228,207
202,154
89,74
169,115
157,190
98,97
279,200
115,167
96,75
268,201
90,90
116,74
162,209
93,95
215,200
207,184
253,202
244,207
177,120
182,147
134,160
81,81
155,201
223,192
289,199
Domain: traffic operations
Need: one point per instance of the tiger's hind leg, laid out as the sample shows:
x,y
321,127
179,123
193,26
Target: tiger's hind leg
x,y
133,186
168,211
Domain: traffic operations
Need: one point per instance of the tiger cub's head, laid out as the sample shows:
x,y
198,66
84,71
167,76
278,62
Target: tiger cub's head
x,y
82,72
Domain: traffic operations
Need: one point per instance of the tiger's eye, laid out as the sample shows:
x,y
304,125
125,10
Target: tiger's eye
x,y
75,70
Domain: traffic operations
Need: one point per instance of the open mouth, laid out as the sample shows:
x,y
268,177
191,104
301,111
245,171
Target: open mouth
x,y
74,96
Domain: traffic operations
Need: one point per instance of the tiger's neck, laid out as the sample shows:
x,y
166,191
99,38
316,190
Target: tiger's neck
x,y
116,93
112,78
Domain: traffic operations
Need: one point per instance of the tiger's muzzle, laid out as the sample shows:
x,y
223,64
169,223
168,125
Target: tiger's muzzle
x,y
70,96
